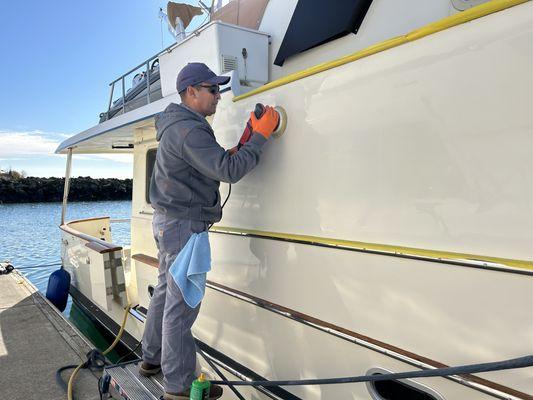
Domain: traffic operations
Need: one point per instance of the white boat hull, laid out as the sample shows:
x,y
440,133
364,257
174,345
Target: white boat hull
x,y
423,146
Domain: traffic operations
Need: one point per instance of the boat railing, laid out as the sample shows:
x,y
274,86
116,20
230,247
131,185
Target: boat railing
x,y
87,242
148,65
94,231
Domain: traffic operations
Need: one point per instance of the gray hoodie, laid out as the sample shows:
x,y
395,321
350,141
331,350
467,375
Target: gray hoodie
x,y
190,165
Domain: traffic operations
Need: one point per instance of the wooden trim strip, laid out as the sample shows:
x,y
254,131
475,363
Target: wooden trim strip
x,y
99,248
93,243
406,356
145,259
474,382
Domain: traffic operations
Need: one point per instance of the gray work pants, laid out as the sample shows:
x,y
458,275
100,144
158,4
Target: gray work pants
x,y
167,338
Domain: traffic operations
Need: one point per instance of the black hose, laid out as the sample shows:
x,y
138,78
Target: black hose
x,y
129,353
95,362
59,378
521,362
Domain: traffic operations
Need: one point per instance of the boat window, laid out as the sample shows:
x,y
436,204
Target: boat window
x,y
399,390
315,22
150,162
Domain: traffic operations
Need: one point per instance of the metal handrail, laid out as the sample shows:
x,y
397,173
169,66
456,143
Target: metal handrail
x,y
145,63
136,68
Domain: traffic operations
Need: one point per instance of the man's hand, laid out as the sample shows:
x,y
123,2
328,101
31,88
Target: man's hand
x,y
267,123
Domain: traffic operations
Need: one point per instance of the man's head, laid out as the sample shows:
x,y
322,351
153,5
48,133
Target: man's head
x,y
198,87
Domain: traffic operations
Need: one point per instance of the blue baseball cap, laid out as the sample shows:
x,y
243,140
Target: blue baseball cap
x,y
195,73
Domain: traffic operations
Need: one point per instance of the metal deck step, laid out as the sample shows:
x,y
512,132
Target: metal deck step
x,y
130,385
125,381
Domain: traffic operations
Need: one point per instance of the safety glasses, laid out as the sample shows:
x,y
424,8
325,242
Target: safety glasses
x,y
213,89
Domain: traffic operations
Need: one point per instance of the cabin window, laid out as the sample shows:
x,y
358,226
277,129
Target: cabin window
x,y
315,22
399,390
150,162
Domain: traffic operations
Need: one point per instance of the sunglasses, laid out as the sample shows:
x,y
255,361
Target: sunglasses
x,y
213,89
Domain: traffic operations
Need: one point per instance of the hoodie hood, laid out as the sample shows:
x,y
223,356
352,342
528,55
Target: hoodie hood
x,y
172,114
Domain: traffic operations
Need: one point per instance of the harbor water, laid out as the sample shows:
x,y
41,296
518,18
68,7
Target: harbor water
x,y
31,241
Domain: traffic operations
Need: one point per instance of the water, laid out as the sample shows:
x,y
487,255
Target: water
x,y
31,237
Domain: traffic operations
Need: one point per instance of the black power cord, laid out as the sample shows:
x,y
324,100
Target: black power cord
x,y
96,361
130,353
223,204
520,362
219,372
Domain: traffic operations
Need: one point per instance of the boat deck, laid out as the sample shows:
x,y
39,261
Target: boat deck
x,y
35,341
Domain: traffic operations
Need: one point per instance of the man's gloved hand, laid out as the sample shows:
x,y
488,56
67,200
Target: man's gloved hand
x,y
267,123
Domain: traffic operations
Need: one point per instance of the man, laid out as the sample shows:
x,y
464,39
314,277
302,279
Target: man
x,y
189,167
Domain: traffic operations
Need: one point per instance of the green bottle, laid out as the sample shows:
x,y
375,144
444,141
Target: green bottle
x,y
200,388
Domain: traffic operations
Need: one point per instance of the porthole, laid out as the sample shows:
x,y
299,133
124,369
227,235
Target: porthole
x,y
399,389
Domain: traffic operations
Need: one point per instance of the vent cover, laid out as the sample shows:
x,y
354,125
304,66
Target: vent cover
x,y
229,63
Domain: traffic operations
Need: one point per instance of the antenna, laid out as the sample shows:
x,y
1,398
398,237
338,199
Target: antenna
x,y
161,23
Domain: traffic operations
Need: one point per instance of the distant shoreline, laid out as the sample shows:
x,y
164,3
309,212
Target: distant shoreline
x,y
15,190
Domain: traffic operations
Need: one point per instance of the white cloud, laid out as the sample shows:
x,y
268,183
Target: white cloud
x,y
14,144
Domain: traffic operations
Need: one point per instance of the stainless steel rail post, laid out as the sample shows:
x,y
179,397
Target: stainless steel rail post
x,y
123,96
111,96
121,78
148,82
67,186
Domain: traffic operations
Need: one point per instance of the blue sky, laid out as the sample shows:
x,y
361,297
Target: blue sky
x,y
58,58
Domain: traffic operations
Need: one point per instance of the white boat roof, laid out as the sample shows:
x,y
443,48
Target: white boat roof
x,y
117,134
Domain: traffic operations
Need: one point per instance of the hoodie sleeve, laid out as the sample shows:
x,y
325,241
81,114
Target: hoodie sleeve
x,y
202,152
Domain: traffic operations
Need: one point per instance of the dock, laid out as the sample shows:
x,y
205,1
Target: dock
x,y
35,341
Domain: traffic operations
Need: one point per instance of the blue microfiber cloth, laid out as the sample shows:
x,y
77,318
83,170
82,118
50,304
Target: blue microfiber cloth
x,y
190,267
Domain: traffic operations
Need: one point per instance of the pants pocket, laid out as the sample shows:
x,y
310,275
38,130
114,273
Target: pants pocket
x,y
167,235
171,235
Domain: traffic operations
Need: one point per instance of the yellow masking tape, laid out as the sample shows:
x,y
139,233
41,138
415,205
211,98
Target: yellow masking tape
x,y
400,250
445,23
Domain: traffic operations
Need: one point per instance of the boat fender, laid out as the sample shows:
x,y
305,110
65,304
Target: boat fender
x,y
58,286
282,124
